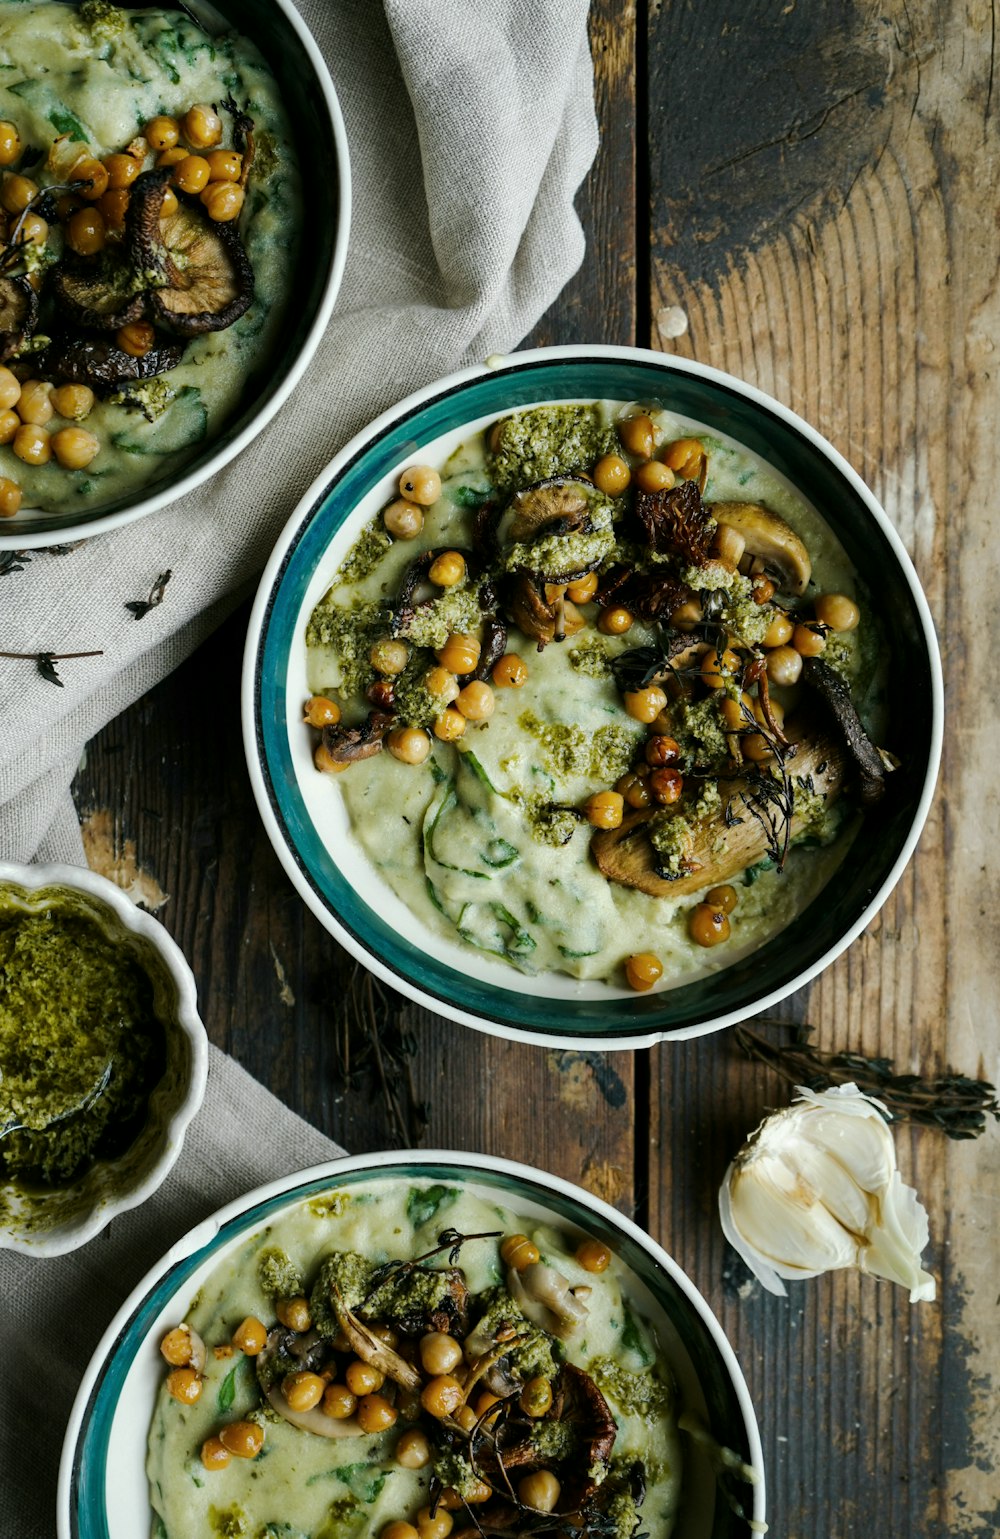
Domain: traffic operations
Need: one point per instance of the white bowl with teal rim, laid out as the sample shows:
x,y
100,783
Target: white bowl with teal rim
x,y
309,828
313,108
49,1221
103,1491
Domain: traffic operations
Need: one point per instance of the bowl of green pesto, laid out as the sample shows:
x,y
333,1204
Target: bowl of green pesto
x,y
103,1057
569,699
165,279
524,1360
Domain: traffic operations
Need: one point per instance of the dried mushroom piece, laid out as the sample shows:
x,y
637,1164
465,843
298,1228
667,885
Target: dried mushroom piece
x,y
836,695
18,314
199,277
676,522
347,744
98,362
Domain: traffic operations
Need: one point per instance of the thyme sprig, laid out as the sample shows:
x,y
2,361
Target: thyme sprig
x,y
450,1240
137,608
46,661
954,1103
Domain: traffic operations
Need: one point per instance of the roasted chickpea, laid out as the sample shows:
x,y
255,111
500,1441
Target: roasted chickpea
x,y
225,165
10,143
666,785
442,684
338,1402
762,589
448,569
634,789
363,1378
295,1313
451,724
686,456
410,745
34,229
214,1454
593,1255
784,665
389,657
10,388
605,809
708,925
302,1390
539,1490
439,1353
172,156
10,497
472,1492
321,712
485,1402
637,435
35,404
837,611
122,171
9,424
779,632
201,126
437,1527
809,640
716,672
611,475
177,1346
510,672
661,749
460,653
191,174
75,447
583,590
244,1439
536,1396
223,201
375,1414
162,133
645,704
17,191
184,1384
687,615
86,231
518,1251
642,970
653,476
466,1417
136,339
403,520
413,1451
72,401
92,176
442,1395
421,483
615,621
32,444
325,762
476,701
724,897
250,1336
756,748
169,204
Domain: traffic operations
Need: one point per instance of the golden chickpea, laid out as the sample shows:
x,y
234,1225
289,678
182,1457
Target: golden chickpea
x,y
214,1454
172,156
442,684
410,745
756,748
837,611
389,657
437,1527
9,424
654,476
634,789
611,475
460,653
16,192
399,1529
645,704
687,615
442,1395
439,1353
716,672
325,762
72,401
176,1346
32,444
762,589
86,231
728,545
363,1378
75,447
708,925
136,339
413,1451
779,632
724,897
191,174
637,435
466,1417
184,1384
250,1335
169,205
10,388
518,1251
583,590
403,520
302,1390
223,201
122,171
808,640
295,1313
201,126
594,1255
616,621
34,229
162,133
92,177
338,1402
539,1490
10,143
666,785
321,712
244,1439
642,970
484,1403
784,666
476,701
35,403
225,165
511,672
10,497
450,725
536,1397
375,1414
605,809
685,456
448,569
472,1492
420,484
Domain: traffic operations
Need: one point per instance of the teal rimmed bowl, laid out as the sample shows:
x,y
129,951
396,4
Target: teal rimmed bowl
x,y
335,879
102,1481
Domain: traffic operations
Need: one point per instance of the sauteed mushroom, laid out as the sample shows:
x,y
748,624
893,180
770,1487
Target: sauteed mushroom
x,y
771,540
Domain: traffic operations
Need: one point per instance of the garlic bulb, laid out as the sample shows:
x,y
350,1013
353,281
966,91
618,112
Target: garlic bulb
x,y
816,1188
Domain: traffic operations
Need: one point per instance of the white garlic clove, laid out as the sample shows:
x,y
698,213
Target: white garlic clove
x,y
816,1189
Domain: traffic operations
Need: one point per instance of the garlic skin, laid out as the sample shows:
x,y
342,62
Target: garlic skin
x,y
816,1188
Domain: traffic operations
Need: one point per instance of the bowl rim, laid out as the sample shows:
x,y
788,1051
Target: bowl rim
x,y
186,1019
206,1232
309,505
11,539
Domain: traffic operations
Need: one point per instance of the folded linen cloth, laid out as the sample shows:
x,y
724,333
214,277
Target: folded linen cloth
x,y
471,126
55,1312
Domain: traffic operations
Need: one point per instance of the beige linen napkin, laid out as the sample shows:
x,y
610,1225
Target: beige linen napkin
x,y
55,1312
471,126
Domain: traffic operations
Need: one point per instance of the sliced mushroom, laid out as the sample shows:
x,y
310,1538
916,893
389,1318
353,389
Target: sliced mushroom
x,y
316,1420
371,1349
199,277
536,617
98,292
835,694
347,744
557,506
771,540
544,1296
721,846
96,361
18,314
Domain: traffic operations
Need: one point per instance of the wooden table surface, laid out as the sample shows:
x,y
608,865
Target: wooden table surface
x,y
813,188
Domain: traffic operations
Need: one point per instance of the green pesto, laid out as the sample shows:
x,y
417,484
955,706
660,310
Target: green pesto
x,y
561,554
698,729
415,704
407,1293
71,1002
821,819
569,750
452,1467
622,1511
591,657
366,552
612,751
548,441
736,608
839,653
535,1354
343,1272
229,1522
330,1204
554,1440
547,823
103,20
151,397
278,1275
458,609
641,1392
672,837
350,631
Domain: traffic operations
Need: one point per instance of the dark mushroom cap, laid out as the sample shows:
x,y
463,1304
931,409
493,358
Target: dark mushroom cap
x,y
836,696
96,361
200,277
347,744
97,292
18,314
